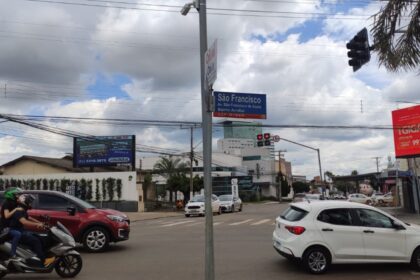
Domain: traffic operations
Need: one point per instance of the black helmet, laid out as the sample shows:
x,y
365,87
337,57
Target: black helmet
x,y
27,199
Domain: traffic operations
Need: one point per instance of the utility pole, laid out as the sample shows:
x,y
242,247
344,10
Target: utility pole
x,y
191,164
206,98
207,144
280,176
377,163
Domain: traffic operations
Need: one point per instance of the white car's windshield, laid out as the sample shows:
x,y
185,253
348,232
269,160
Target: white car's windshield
x,y
225,198
198,198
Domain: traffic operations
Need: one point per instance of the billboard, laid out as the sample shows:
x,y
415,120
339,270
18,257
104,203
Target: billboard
x,y
104,151
406,123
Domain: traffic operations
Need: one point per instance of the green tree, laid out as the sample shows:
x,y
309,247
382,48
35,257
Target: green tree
x,y
168,167
354,172
179,182
396,35
300,187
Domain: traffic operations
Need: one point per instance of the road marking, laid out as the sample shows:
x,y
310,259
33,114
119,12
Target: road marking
x,y
260,222
415,273
271,202
218,223
242,222
178,223
194,224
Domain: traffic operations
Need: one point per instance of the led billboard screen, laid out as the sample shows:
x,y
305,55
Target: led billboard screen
x,y
104,151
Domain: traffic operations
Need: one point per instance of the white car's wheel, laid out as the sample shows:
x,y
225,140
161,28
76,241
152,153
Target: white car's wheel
x,y
415,260
316,260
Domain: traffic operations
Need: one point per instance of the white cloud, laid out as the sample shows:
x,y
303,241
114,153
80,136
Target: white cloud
x,y
310,83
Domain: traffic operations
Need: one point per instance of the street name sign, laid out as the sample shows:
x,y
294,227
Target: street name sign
x,y
211,64
240,105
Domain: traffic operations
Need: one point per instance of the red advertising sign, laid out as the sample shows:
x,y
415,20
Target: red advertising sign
x,y
406,124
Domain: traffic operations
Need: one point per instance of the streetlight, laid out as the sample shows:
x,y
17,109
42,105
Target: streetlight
x,y
200,5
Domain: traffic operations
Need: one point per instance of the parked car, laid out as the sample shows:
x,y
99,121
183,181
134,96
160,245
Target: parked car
x,y
196,206
94,228
329,232
315,196
297,197
359,197
382,198
229,203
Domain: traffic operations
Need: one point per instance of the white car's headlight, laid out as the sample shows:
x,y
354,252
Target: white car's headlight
x,y
116,218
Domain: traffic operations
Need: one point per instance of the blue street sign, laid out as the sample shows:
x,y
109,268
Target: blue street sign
x,y
240,105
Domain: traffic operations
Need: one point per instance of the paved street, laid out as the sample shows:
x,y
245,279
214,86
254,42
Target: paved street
x,y
173,248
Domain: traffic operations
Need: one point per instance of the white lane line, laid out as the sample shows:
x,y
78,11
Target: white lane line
x,y
194,224
271,202
178,223
242,222
218,223
260,222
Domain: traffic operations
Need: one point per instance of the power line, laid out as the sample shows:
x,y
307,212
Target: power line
x,y
21,118
261,13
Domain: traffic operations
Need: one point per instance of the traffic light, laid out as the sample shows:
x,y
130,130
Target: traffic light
x,y
267,137
359,53
263,139
260,141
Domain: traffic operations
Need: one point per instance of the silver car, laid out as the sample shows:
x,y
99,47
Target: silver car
x,y
229,203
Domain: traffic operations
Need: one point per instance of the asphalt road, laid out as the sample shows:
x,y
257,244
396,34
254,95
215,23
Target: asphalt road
x,y
173,248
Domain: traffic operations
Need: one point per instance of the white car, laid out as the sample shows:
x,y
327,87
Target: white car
x,y
383,198
329,232
196,206
359,197
229,203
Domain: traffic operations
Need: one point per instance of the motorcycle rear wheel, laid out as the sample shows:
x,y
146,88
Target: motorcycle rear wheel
x,y
69,266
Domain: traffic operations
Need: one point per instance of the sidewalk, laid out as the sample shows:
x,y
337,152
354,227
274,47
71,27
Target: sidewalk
x,y
402,215
142,216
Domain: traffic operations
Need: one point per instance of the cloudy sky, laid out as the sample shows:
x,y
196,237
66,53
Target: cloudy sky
x,y
140,60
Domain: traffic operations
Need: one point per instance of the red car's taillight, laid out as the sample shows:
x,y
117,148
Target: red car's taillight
x,y
295,229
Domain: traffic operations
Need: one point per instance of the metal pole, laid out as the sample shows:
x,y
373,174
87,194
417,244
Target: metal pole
x,y
319,162
191,165
280,177
207,145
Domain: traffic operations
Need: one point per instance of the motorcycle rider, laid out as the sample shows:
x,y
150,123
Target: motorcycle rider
x,y
8,208
20,219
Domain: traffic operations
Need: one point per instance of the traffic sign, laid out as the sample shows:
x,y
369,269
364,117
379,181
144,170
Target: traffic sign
x,y
240,105
276,138
211,64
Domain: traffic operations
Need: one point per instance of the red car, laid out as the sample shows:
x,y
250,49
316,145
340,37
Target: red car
x,y
94,228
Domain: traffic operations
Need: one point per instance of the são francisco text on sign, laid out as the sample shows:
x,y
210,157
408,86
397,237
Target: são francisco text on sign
x,y
240,105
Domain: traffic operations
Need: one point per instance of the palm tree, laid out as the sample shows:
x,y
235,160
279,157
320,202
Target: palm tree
x,y
169,167
396,33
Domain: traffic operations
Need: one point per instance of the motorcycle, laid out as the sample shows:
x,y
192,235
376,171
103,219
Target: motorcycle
x,y
58,242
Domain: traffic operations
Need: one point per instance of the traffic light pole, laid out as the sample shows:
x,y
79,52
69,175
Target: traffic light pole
x,y
309,147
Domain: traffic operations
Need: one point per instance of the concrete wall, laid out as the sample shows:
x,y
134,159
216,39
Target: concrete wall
x,y
129,190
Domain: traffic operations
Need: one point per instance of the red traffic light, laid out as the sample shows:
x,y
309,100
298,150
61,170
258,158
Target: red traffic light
x,y
267,136
259,137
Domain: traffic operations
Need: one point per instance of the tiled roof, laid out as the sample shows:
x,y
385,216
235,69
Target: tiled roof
x,y
65,163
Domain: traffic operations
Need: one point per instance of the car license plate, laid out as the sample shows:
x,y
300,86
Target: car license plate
x,y
194,211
